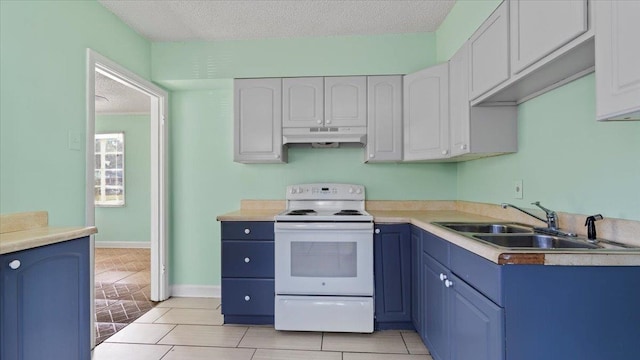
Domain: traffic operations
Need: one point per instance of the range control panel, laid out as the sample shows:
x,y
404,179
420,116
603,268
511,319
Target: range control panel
x,y
325,191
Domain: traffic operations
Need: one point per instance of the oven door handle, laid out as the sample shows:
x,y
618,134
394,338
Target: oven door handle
x,y
304,226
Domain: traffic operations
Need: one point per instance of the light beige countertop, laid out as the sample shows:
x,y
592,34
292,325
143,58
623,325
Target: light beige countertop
x,y
24,231
423,213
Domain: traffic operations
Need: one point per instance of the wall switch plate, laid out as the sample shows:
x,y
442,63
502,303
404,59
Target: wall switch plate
x,y
517,189
75,140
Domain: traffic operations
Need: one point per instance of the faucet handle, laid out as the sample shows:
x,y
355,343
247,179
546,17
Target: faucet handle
x,y
537,203
552,217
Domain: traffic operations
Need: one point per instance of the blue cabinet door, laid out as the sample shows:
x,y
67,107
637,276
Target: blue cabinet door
x,y
392,262
45,302
435,308
477,324
416,282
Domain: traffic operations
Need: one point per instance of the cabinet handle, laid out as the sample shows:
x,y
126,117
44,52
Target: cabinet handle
x,y
445,152
463,147
328,121
377,231
14,264
319,121
448,283
371,156
277,156
247,298
247,231
247,259
443,277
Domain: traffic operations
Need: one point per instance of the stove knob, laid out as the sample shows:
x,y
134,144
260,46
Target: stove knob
x,y
300,190
359,191
350,190
293,190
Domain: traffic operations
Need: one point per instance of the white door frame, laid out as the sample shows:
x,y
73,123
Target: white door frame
x,y
159,135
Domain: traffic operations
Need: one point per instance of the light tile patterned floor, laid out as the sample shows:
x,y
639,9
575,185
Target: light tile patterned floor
x,y
190,329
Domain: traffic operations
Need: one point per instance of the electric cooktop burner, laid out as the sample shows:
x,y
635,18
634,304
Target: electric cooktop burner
x,y
301,212
348,212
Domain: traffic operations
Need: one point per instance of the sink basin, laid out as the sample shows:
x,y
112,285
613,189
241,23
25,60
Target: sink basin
x,y
535,241
487,228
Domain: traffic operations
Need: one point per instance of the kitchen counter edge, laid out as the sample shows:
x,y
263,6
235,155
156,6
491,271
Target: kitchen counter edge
x,y
28,239
424,218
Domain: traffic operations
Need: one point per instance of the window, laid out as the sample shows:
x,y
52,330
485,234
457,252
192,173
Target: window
x,y
109,170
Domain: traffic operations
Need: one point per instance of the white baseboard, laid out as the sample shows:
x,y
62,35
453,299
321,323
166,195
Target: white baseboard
x,y
207,291
124,244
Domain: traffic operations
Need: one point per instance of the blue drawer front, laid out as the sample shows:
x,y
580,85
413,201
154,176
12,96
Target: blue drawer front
x,y
436,247
248,296
478,272
247,230
247,259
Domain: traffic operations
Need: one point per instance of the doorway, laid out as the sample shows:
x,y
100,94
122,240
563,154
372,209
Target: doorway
x,y
113,190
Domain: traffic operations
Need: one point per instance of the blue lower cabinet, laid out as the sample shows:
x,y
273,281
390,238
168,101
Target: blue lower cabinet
x,y
392,269
45,310
248,291
416,282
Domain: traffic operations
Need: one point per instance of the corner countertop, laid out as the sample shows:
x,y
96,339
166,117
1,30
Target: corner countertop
x,y
424,216
23,231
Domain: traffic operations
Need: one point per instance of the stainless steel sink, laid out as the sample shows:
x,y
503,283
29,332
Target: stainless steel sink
x,y
487,228
535,241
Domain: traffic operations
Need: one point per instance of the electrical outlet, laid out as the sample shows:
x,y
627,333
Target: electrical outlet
x,y
517,189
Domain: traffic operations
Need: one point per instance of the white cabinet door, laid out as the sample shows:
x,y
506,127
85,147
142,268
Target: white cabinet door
x,y
540,27
489,52
302,102
384,118
617,33
459,101
426,114
258,120
345,101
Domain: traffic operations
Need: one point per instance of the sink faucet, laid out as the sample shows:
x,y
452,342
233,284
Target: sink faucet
x,y
552,219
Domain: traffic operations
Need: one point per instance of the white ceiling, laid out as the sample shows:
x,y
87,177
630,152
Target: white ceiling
x,y
120,99
201,20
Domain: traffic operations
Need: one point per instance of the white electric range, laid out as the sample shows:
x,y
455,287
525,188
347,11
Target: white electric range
x,y
324,260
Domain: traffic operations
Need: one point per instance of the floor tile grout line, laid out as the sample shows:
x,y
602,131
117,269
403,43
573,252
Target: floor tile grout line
x,y
242,338
167,353
405,343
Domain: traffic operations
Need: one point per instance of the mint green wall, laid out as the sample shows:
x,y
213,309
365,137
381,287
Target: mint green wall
x,y
566,159
201,65
205,180
463,20
42,98
133,221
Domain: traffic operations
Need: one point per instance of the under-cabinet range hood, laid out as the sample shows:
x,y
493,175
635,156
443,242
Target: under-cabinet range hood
x,y
325,135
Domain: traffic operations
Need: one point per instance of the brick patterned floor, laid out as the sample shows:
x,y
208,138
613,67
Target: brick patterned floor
x,y
122,289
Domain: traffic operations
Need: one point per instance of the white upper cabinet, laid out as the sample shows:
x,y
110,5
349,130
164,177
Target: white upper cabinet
x,y
489,52
479,131
617,32
540,27
345,101
459,101
384,118
302,102
426,114
258,121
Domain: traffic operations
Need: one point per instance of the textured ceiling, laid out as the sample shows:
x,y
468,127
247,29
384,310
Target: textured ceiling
x,y
113,97
191,20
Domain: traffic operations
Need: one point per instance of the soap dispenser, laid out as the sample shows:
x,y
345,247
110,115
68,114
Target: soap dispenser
x,y
591,226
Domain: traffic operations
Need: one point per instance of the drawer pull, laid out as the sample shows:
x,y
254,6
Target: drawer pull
x,y
247,259
247,231
448,283
443,277
377,231
247,298
14,264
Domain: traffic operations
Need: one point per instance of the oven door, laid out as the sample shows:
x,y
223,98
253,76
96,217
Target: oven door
x,y
332,258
